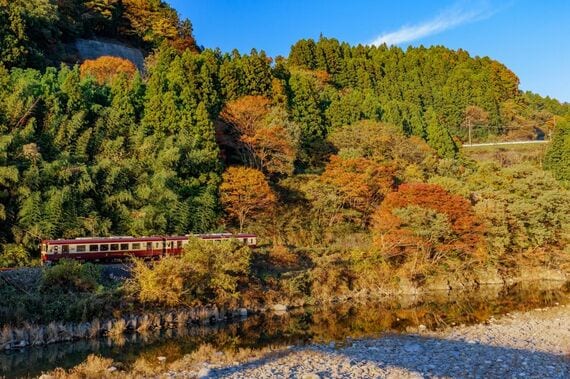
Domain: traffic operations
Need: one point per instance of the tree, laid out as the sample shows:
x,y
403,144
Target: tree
x,y
360,182
104,69
439,138
245,194
474,116
557,157
426,218
263,135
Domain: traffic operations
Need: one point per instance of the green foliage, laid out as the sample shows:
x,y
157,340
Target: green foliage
x,y
12,255
439,138
219,268
71,276
557,157
206,272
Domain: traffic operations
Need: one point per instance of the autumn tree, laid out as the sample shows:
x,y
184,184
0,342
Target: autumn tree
x,y
428,219
245,194
360,182
264,136
104,69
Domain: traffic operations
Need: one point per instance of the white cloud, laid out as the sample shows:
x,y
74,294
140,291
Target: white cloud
x,y
447,19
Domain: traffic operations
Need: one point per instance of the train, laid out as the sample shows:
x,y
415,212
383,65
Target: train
x,y
122,248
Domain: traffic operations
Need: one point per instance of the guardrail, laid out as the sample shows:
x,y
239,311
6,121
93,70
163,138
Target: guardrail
x,y
505,143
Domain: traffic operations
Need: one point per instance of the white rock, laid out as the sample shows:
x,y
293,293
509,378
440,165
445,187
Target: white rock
x,y
279,307
203,373
161,359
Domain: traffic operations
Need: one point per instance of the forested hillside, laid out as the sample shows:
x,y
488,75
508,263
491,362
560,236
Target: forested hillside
x,y
33,33
335,146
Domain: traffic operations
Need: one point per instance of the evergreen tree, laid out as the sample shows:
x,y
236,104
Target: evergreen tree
x,y
557,157
438,137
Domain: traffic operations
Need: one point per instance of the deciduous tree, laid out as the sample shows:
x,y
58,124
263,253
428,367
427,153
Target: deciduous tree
x,y
245,194
105,69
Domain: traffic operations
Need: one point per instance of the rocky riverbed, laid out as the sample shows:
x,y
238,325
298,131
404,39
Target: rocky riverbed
x,y
533,344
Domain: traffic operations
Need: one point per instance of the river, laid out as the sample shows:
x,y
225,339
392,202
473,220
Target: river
x,y
299,326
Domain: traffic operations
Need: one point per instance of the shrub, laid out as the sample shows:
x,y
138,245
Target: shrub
x,y
162,282
71,276
206,272
12,255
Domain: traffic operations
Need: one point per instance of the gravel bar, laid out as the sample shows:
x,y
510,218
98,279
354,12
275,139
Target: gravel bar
x,y
533,344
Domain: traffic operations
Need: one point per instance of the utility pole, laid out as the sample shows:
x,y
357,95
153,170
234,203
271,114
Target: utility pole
x,y
469,124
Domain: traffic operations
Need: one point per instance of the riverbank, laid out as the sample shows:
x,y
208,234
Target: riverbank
x,y
350,340
533,344
121,319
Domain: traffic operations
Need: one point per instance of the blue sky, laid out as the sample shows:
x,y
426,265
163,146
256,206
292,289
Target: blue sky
x,y
532,37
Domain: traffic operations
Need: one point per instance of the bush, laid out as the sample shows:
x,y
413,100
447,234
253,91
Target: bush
x,y
71,276
206,272
12,255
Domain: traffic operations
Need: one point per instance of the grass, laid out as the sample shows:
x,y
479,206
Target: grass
x,y
99,367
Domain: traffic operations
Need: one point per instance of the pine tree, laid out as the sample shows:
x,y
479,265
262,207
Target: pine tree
x,y
438,137
557,157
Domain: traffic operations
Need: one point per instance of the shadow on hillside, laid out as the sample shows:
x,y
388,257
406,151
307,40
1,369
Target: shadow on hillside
x,y
433,357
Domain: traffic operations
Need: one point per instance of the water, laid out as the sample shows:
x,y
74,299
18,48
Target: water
x,y
321,325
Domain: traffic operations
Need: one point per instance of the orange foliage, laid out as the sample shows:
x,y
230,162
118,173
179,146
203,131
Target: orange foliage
x,y
246,113
105,69
362,182
263,145
392,233
245,193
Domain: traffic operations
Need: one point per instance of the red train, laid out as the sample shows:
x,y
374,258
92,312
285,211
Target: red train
x,y
110,249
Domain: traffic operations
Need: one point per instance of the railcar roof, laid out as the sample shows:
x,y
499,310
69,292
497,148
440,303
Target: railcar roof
x,y
90,240
85,241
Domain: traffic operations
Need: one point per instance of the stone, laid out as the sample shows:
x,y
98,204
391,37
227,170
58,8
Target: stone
x,y
310,376
242,312
203,373
279,308
161,359
112,369
413,348
422,327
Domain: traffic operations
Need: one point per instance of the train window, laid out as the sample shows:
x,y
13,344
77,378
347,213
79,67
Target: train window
x,y
136,246
56,249
93,247
179,244
251,240
157,245
80,248
149,245
124,246
65,249
114,246
44,247
104,247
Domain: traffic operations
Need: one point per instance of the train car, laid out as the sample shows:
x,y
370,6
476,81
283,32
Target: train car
x,y
175,244
111,249
101,249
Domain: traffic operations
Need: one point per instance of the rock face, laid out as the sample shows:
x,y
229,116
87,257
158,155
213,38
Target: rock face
x,y
93,49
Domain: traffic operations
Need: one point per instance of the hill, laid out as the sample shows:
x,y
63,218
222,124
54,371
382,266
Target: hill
x,y
348,152
38,33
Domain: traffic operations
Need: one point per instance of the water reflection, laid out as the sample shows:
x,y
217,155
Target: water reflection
x,y
338,322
